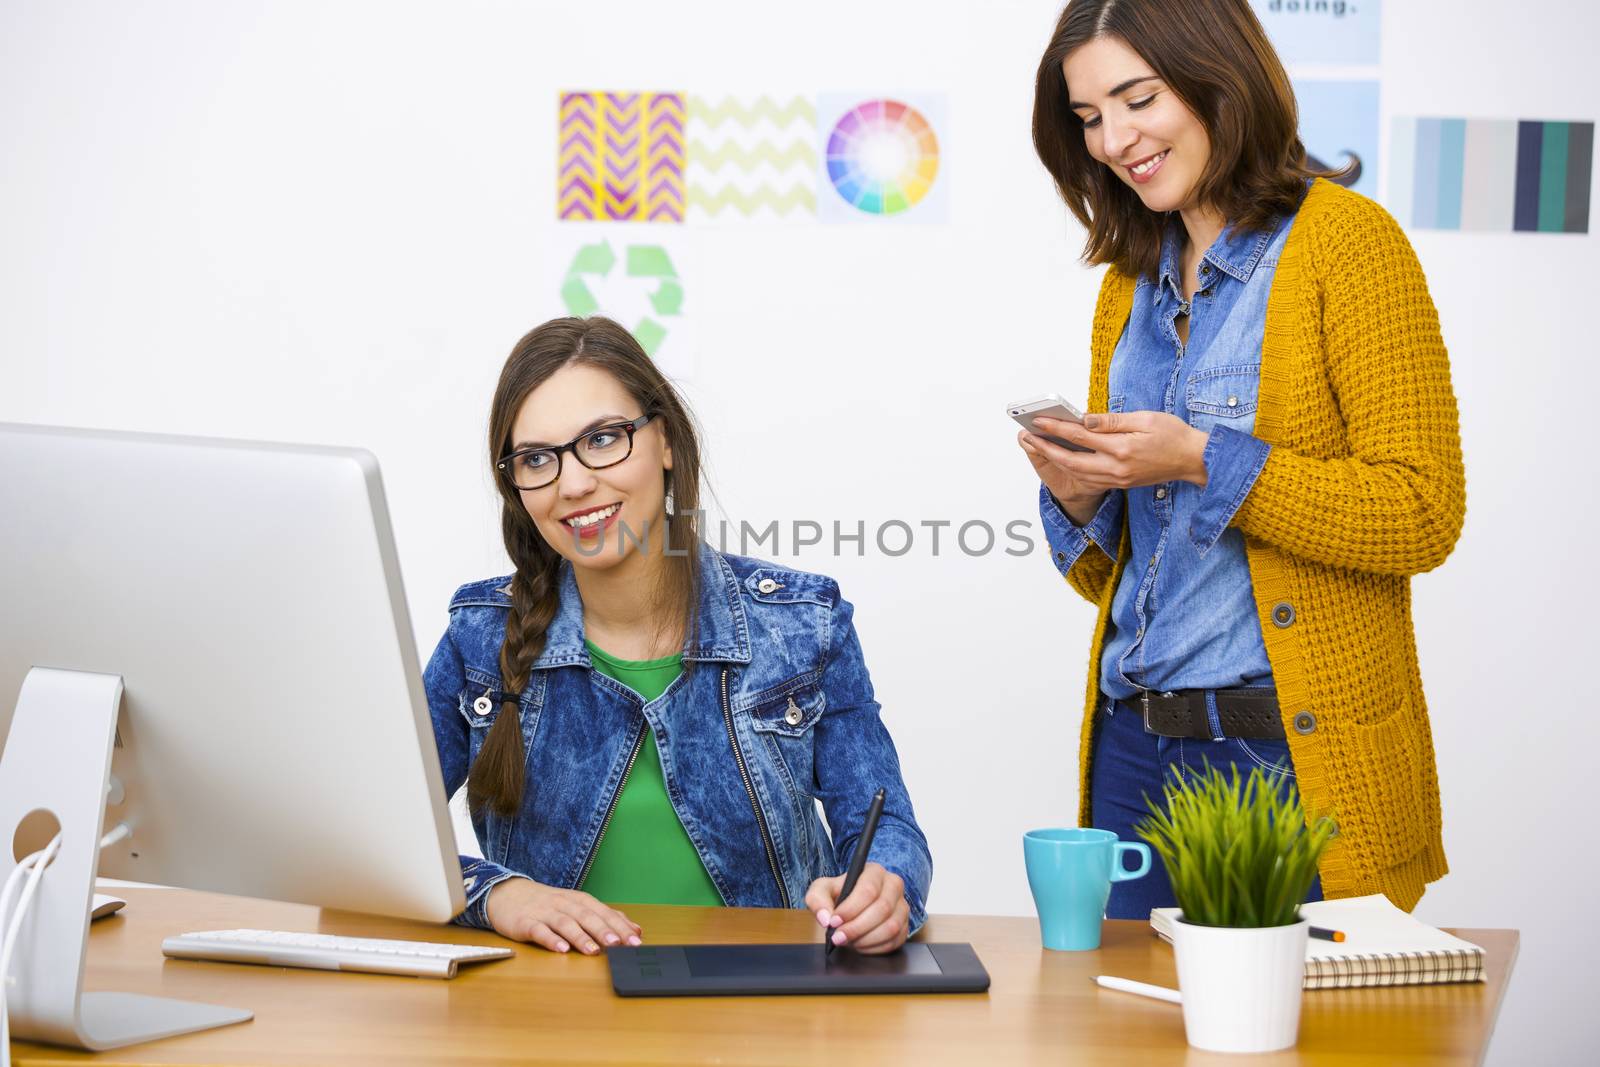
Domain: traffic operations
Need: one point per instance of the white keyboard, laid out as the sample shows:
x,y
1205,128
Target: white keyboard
x,y
325,952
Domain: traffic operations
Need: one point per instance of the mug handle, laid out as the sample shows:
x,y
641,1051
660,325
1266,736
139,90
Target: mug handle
x,y
1121,874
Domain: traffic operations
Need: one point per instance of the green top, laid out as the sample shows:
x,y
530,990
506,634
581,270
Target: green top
x,y
644,855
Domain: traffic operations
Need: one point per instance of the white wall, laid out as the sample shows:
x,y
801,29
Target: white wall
x,y
329,222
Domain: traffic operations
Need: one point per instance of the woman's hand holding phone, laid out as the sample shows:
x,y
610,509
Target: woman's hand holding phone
x,y
1078,499
1130,449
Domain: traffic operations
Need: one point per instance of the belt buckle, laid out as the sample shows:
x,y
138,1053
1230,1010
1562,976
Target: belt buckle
x,y
1144,704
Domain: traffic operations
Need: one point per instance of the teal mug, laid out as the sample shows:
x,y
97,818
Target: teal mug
x,y
1070,873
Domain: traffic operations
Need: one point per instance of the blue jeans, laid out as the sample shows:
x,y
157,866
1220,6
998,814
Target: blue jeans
x,y
1130,764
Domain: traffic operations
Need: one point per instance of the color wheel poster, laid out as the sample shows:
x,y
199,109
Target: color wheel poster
x,y
884,158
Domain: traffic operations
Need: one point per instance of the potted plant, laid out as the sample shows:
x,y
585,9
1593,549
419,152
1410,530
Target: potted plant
x,y
1241,857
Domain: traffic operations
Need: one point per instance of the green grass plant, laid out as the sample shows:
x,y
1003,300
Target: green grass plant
x,y
1238,850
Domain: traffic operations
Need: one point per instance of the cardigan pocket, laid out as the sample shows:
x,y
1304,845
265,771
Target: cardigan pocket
x,y
1389,765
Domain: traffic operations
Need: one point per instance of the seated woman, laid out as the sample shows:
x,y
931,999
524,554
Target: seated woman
x,y
638,717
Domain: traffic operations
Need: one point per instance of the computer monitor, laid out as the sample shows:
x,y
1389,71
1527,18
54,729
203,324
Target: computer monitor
x,y
273,738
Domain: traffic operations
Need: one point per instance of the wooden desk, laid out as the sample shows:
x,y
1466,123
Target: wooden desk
x,y
1041,1008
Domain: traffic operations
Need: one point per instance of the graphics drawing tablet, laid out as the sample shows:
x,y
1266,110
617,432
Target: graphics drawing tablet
x,y
769,970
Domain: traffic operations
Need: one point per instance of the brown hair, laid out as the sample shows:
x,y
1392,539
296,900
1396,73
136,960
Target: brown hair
x,y
496,778
1216,57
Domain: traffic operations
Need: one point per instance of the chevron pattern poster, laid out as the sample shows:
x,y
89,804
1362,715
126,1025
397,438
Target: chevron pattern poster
x,y
1491,174
752,159
621,157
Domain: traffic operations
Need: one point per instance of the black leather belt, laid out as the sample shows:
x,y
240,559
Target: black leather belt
x,y
1242,712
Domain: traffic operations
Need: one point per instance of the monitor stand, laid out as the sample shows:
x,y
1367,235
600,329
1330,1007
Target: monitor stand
x,y
58,758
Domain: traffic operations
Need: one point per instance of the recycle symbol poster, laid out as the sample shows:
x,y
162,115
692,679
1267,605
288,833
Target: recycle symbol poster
x,y
635,275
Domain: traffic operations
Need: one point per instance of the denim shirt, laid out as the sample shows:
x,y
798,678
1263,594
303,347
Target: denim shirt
x,y
1183,615
774,711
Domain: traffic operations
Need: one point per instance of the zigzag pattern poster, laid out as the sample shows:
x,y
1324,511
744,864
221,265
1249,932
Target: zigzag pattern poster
x,y
752,160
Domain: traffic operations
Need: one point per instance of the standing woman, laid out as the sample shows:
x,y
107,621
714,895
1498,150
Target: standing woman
x,y
639,718
1275,444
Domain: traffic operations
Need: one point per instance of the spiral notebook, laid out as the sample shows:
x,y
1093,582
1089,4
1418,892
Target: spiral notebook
x,y
1383,946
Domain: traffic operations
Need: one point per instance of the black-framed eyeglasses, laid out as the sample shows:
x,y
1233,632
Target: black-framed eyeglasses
x,y
602,447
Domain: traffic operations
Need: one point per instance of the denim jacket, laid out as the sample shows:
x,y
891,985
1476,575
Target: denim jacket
x,y
773,712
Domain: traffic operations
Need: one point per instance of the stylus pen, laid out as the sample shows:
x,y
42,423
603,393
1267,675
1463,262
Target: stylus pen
x,y
858,862
1143,989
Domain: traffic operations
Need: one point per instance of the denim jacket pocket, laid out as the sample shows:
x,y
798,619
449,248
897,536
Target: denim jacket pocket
x,y
785,723
480,701
480,704
791,714
1223,396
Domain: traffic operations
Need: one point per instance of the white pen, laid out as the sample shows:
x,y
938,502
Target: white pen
x,y
1128,985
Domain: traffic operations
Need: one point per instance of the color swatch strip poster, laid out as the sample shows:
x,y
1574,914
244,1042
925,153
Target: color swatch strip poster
x,y
1491,174
673,157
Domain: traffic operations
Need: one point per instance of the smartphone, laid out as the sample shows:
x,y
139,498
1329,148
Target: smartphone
x,y
1051,406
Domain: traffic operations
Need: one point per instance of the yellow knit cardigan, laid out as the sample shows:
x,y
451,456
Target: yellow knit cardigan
x,y
1363,488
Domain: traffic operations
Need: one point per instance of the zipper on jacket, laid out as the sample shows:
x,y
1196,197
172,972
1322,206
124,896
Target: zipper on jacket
x,y
612,809
755,805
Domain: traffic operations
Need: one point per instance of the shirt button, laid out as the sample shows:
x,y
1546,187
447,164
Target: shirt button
x,y
766,585
1161,492
1233,401
794,714
1061,557
1305,723
1283,614
483,705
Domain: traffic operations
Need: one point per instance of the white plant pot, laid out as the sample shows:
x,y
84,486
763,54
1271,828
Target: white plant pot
x,y
1241,987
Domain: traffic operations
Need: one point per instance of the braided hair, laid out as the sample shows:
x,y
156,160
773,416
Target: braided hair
x,y
495,780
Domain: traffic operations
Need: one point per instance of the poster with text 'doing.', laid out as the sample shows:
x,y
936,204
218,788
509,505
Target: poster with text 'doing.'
x,y
1329,32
